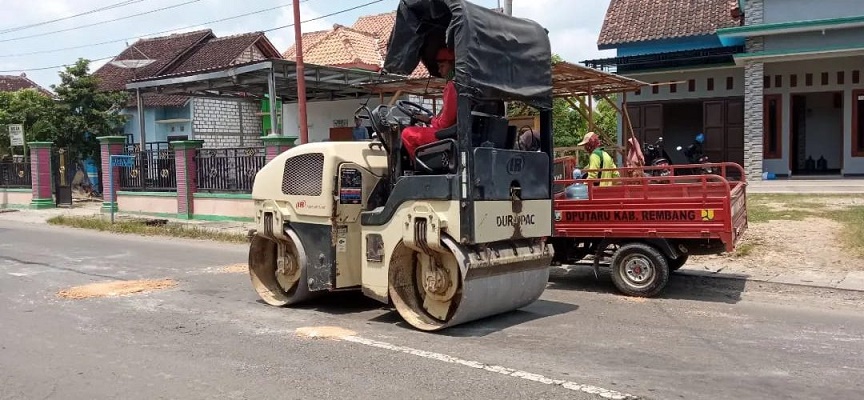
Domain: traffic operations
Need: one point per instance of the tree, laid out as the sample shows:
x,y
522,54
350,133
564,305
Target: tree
x,y
83,112
27,107
75,119
568,124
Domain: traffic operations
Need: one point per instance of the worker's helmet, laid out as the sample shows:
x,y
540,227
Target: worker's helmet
x,y
445,54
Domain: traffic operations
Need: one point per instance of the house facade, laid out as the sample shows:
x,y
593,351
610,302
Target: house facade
x,y
773,84
218,122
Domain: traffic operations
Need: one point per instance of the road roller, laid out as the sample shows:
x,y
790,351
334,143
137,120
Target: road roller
x,y
456,233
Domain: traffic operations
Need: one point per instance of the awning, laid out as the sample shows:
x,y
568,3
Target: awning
x,y
252,80
568,80
324,83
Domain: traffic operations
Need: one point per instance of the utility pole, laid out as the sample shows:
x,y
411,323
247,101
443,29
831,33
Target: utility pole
x,y
301,77
508,7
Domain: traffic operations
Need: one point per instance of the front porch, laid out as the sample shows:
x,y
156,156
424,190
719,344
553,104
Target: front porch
x,y
813,113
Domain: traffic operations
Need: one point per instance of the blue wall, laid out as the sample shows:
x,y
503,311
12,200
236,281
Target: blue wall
x,y
669,45
159,132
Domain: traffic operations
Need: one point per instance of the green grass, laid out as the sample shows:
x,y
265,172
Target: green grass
x,y
745,249
140,227
763,208
852,233
790,207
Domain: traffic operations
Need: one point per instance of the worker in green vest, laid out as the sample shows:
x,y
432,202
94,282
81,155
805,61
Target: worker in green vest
x,y
598,159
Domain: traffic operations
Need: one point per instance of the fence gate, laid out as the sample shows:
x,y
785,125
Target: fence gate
x,y
62,173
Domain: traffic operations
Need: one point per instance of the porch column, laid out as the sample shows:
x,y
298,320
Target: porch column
x,y
753,120
275,145
40,174
187,176
110,145
754,73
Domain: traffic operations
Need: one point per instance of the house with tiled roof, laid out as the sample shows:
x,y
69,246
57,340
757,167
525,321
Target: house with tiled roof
x,y
14,83
220,123
774,85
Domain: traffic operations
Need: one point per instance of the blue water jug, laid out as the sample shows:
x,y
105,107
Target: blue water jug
x,y
576,191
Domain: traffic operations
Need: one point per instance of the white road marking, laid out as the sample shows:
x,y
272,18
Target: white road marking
x,y
605,393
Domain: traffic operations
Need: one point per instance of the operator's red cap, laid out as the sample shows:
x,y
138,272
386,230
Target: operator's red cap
x,y
445,54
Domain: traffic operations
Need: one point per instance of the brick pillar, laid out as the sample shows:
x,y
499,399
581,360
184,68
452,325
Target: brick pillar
x,y
110,145
41,176
275,145
187,174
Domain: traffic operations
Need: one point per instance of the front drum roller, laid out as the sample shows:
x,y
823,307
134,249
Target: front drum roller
x,y
278,270
433,292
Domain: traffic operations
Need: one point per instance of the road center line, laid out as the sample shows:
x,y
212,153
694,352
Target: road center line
x,y
605,393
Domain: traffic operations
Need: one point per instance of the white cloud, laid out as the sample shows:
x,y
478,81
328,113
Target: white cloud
x,y
284,38
573,25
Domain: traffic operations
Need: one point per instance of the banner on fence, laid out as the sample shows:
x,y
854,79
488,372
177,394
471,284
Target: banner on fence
x,y
16,135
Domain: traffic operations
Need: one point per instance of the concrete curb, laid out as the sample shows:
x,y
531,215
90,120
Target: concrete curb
x,y
738,277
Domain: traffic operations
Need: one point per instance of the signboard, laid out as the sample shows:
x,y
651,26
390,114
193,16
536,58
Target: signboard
x,y
122,161
16,135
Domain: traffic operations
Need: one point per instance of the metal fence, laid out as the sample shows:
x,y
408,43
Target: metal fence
x,y
228,169
15,174
154,170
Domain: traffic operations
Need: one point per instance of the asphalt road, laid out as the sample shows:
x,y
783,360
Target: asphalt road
x,y
211,338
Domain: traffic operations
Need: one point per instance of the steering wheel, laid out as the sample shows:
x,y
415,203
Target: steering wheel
x,y
403,105
375,117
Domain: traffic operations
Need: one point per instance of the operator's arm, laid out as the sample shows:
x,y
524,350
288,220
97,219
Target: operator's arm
x,y
447,117
593,163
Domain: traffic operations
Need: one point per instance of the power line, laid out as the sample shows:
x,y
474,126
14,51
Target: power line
x,y
266,30
147,34
98,23
109,7
324,16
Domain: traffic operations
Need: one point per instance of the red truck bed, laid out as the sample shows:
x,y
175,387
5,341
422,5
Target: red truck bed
x,y
711,206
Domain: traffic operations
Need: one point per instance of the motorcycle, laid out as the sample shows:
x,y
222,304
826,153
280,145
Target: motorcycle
x,y
656,156
695,155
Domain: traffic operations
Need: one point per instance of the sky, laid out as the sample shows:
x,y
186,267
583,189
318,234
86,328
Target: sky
x,y
39,37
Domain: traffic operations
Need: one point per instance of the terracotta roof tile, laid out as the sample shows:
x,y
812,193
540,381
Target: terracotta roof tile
x,y
346,47
186,52
165,50
223,51
379,25
630,21
363,45
14,83
309,39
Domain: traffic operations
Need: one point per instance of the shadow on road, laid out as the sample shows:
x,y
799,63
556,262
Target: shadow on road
x,y
341,303
485,326
680,287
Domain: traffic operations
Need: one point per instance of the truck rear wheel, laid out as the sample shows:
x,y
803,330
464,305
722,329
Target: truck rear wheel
x,y
639,270
676,264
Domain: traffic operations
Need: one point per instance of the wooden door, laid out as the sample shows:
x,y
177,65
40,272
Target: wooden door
x,y
714,128
735,131
647,120
342,134
723,126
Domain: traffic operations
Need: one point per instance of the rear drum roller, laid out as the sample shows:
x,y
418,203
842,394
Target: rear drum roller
x,y
278,273
431,292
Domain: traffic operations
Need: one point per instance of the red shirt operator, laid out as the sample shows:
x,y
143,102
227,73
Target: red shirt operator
x,y
415,136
